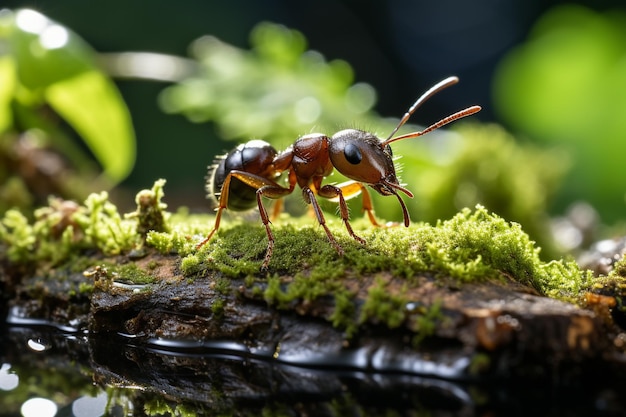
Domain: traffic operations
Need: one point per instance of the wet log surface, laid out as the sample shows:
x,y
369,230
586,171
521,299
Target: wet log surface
x,y
169,338
494,319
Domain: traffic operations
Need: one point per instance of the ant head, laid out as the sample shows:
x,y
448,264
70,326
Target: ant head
x,y
360,156
363,157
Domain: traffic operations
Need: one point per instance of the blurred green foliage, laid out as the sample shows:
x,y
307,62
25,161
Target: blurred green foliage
x,y
566,85
485,165
47,71
276,91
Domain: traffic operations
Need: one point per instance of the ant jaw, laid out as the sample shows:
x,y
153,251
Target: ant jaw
x,y
405,212
399,188
385,187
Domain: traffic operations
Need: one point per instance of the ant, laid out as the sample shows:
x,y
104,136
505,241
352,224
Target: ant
x,y
241,178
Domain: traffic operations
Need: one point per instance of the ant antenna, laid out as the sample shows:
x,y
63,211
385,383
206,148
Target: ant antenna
x,y
428,94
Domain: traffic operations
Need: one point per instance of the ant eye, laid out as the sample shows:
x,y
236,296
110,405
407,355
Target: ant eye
x,y
352,154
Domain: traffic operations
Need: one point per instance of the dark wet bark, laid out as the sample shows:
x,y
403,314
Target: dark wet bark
x,y
195,340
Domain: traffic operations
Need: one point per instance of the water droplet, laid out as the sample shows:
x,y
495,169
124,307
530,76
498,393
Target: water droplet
x,y
38,345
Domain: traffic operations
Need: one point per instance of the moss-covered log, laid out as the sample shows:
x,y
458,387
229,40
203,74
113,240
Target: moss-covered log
x,y
466,299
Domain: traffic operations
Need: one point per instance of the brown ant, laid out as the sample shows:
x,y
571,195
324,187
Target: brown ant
x,y
241,178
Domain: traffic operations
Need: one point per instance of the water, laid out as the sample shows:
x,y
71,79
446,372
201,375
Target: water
x,y
47,370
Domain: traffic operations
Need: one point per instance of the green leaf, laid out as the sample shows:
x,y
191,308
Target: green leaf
x,y
91,103
49,63
46,52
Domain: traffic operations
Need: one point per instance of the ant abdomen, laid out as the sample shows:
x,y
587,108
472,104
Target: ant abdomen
x,y
253,157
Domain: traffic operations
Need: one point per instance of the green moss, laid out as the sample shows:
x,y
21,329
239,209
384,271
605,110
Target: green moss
x,y
132,274
427,321
150,213
486,165
217,307
190,265
480,362
18,236
64,229
619,269
474,245
274,294
85,288
222,286
103,227
383,307
613,285
343,316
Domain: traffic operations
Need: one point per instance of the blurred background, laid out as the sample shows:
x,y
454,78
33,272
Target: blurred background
x,y
551,78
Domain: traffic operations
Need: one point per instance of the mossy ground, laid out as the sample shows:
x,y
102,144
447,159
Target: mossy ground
x,y
473,246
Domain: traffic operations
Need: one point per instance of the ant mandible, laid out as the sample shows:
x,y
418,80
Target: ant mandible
x,y
241,178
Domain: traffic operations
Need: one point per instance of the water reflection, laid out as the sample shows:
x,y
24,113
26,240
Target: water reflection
x,y
37,345
8,380
39,407
45,373
87,406
88,376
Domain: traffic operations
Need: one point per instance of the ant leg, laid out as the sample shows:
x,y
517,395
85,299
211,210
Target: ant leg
x,y
216,226
351,189
265,187
274,192
270,189
277,209
266,222
368,207
331,191
309,196
223,203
